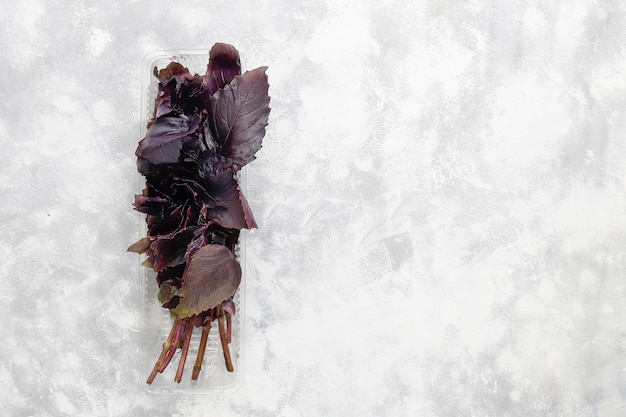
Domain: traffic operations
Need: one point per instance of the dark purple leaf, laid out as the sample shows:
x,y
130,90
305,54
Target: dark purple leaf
x,y
223,66
169,250
167,224
203,154
247,212
222,236
179,91
142,165
212,276
180,185
174,273
238,116
164,139
194,246
149,205
232,210
182,95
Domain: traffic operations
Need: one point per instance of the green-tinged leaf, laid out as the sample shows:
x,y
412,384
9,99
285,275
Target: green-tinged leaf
x,y
167,290
141,246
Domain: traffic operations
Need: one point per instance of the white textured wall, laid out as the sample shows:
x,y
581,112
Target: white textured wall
x,y
440,199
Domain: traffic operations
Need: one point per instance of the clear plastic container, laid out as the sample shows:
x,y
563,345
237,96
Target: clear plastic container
x,y
155,321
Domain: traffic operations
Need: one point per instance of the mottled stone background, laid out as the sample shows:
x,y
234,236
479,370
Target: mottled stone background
x,y
440,198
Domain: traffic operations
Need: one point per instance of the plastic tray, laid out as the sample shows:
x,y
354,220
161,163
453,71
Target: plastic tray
x,y
155,321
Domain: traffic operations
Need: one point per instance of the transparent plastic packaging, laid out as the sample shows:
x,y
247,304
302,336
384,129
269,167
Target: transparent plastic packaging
x,y
155,321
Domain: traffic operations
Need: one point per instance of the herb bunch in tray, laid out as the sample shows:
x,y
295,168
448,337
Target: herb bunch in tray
x,y
205,128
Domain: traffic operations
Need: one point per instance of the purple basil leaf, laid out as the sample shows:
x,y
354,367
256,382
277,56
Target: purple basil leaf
x,y
173,69
164,139
238,116
142,165
212,276
173,274
229,307
223,66
247,212
217,234
169,250
167,224
182,95
212,163
205,156
195,245
149,205
184,190
141,246
232,211
178,90
193,150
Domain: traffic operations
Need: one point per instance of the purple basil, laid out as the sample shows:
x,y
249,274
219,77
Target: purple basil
x,y
205,128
